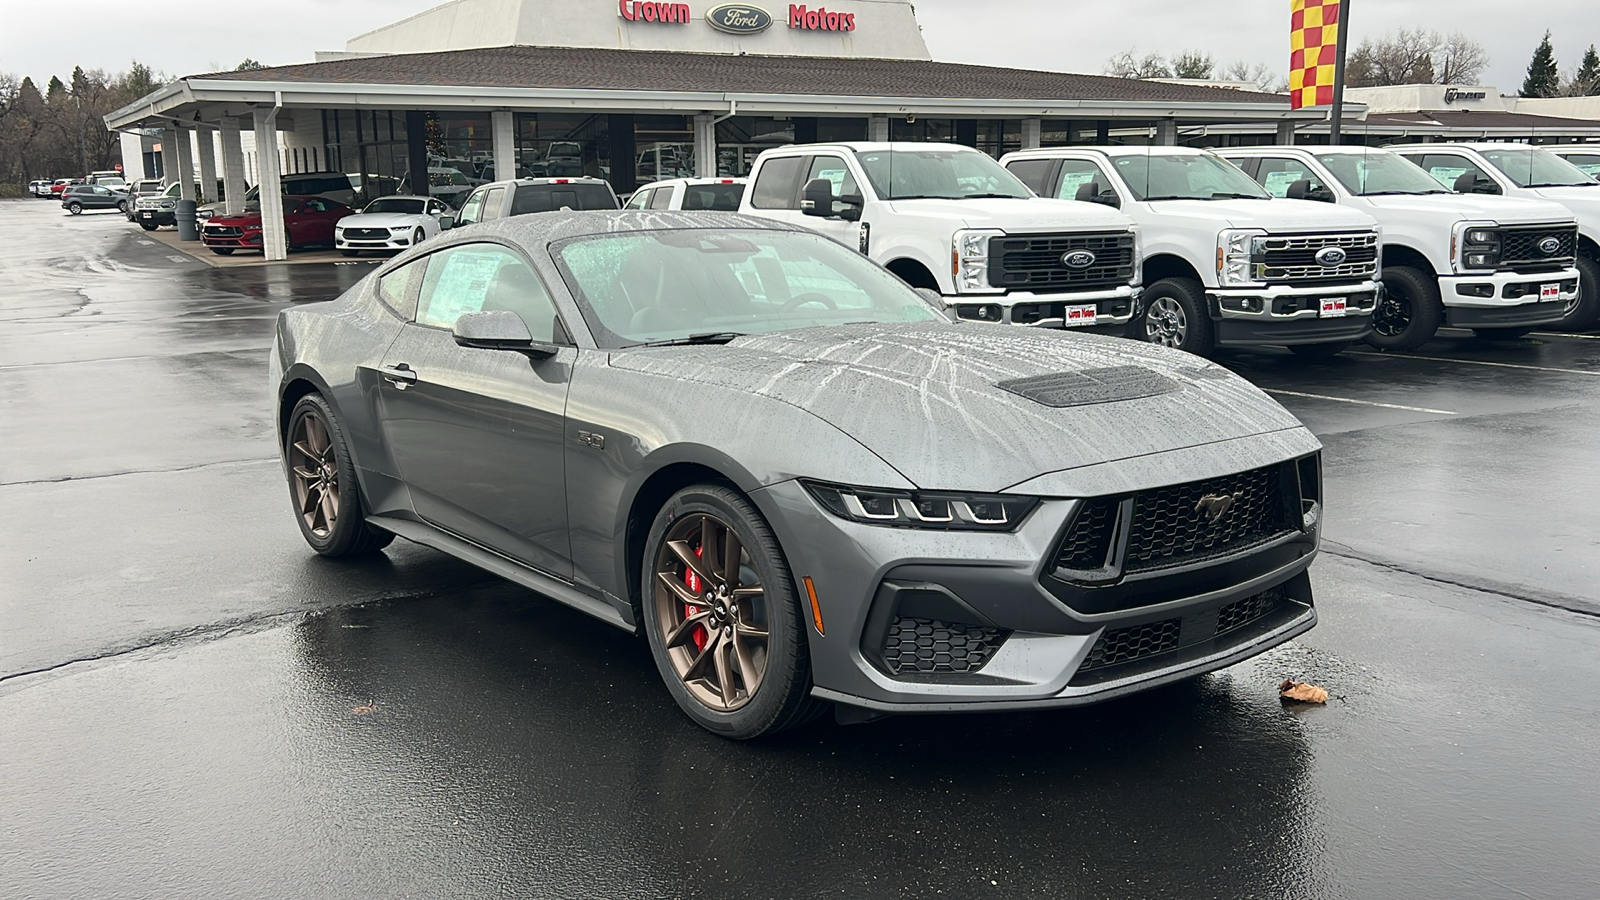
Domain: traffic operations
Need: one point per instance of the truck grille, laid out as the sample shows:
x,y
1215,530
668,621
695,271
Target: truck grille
x,y
1294,259
366,234
1035,263
1182,524
1519,246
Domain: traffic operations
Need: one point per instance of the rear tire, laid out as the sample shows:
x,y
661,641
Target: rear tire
x,y
75,208
1584,313
1410,313
122,207
1500,334
1320,351
761,596
327,500
1175,315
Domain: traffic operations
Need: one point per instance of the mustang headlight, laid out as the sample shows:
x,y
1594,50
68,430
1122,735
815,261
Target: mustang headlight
x,y
1239,250
969,260
923,509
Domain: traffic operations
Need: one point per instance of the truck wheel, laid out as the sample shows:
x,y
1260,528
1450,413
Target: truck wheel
x,y
148,226
1320,351
1175,315
1585,311
1409,313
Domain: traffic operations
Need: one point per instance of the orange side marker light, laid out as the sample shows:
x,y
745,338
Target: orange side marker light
x,y
816,609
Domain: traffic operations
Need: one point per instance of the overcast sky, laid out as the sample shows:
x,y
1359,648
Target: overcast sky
x,y
182,37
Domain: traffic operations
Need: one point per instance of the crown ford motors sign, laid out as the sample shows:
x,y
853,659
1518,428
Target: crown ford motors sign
x,y
643,11
738,18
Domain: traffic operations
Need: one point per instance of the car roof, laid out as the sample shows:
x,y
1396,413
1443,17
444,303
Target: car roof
x,y
870,146
1466,145
672,181
402,197
1113,151
536,229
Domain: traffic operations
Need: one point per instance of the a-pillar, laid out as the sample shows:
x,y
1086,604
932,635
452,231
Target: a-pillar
x,y
1167,132
208,164
185,164
1285,134
878,128
503,128
169,155
1032,134
232,167
274,239
705,146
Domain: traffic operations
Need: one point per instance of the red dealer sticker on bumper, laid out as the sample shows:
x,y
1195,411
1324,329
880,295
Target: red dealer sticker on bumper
x,y
1333,307
1080,316
1549,292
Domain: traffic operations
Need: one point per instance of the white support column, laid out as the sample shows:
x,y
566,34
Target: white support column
x,y
1167,132
185,173
274,239
233,179
1286,134
1032,134
207,145
503,127
705,146
878,128
169,155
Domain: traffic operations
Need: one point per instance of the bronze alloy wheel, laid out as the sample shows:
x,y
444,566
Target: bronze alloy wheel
x,y
711,609
316,475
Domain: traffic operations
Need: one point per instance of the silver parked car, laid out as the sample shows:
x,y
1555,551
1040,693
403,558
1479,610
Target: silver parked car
x,y
799,480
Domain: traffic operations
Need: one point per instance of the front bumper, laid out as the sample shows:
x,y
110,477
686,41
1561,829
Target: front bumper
x,y
1113,307
1285,316
250,240
156,216
1047,640
1506,299
394,242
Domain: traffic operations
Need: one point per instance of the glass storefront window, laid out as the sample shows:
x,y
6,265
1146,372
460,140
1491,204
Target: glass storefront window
x,y
560,145
664,146
742,138
927,130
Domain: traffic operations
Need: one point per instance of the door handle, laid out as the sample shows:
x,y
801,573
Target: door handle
x,y
401,376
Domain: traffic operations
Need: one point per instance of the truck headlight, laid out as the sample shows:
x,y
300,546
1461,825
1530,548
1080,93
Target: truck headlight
x,y
969,260
1239,251
1476,245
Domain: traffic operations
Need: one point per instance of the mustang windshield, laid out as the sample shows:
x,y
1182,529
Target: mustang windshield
x,y
938,174
696,284
1531,167
1154,176
396,205
1379,172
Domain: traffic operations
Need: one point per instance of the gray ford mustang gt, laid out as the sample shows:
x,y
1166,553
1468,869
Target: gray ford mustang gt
x,y
800,480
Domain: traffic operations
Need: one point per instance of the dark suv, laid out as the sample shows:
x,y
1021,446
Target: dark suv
x,y
502,199
80,197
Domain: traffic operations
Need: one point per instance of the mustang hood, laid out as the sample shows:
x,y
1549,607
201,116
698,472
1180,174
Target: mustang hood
x,y
381,220
982,407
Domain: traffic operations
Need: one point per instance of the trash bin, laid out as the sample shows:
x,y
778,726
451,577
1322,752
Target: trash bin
x,y
183,213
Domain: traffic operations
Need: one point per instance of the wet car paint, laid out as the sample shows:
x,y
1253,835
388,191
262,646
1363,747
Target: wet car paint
x,y
195,732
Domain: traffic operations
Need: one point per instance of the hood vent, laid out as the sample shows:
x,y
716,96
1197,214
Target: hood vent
x,y
1091,386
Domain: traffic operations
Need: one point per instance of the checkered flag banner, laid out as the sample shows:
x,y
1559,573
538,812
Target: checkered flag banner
x,y
1313,49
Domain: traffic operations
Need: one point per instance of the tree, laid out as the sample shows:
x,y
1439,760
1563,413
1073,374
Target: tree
x,y
1192,64
1405,57
1460,60
1264,78
249,64
1586,81
1544,79
1126,65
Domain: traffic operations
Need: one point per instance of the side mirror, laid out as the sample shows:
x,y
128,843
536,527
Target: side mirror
x,y
499,329
447,222
1485,186
937,301
1322,194
817,199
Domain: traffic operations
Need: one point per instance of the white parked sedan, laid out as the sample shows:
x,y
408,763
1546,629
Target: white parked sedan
x,y
391,223
689,194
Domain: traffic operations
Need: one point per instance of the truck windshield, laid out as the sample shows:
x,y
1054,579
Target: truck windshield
x,y
1378,172
1531,167
938,174
1157,176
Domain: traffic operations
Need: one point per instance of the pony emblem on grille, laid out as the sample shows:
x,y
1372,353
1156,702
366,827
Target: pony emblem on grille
x,y
1215,506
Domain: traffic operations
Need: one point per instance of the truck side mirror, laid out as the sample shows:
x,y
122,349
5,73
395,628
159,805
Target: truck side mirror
x,y
447,222
817,198
1092,192
1473,183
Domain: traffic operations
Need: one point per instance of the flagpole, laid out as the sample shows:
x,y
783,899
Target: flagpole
x,y
1334,127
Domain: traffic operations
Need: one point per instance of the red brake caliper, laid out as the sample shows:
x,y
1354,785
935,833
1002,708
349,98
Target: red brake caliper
x,y
693,583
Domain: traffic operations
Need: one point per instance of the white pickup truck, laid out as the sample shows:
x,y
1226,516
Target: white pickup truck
x,y
949,218
1530,173
1498,266
1225,265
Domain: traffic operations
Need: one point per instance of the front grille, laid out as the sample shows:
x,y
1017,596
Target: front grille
x,y
929,647
1242,612
1124,645
1294,259
223,231
1519,247
1183,524
1034,262
366,234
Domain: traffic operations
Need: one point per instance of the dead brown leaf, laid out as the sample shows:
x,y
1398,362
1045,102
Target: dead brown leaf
x,y
363,710
1300,692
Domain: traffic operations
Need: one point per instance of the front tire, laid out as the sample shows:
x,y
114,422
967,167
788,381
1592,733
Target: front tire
x,y
418,237
1320,351
149,226
1410,313
222,251
722,616
1175,315
322,484
122,207
1585,311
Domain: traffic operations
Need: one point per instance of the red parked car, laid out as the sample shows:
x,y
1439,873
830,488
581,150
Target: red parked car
x,y
309,220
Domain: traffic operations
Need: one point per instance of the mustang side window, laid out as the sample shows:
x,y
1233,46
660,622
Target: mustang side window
x,y
397,289
484,278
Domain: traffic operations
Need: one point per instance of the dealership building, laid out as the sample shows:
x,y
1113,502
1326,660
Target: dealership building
x,y
632,91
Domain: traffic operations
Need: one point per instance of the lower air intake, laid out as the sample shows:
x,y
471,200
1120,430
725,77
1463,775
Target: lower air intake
x,y
1121,645
930,647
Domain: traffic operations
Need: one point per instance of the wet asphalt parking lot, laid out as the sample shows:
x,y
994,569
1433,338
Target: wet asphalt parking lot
x,y
193,705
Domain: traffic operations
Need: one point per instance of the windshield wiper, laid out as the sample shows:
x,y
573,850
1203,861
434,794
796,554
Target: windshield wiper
x,y
1563,184
1235,195
709,337
923,197
990,196
1174,197
1401,193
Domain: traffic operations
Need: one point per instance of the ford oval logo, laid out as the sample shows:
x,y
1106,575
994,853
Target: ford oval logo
x,y
1331,256
1078,259
738,18
1549,246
